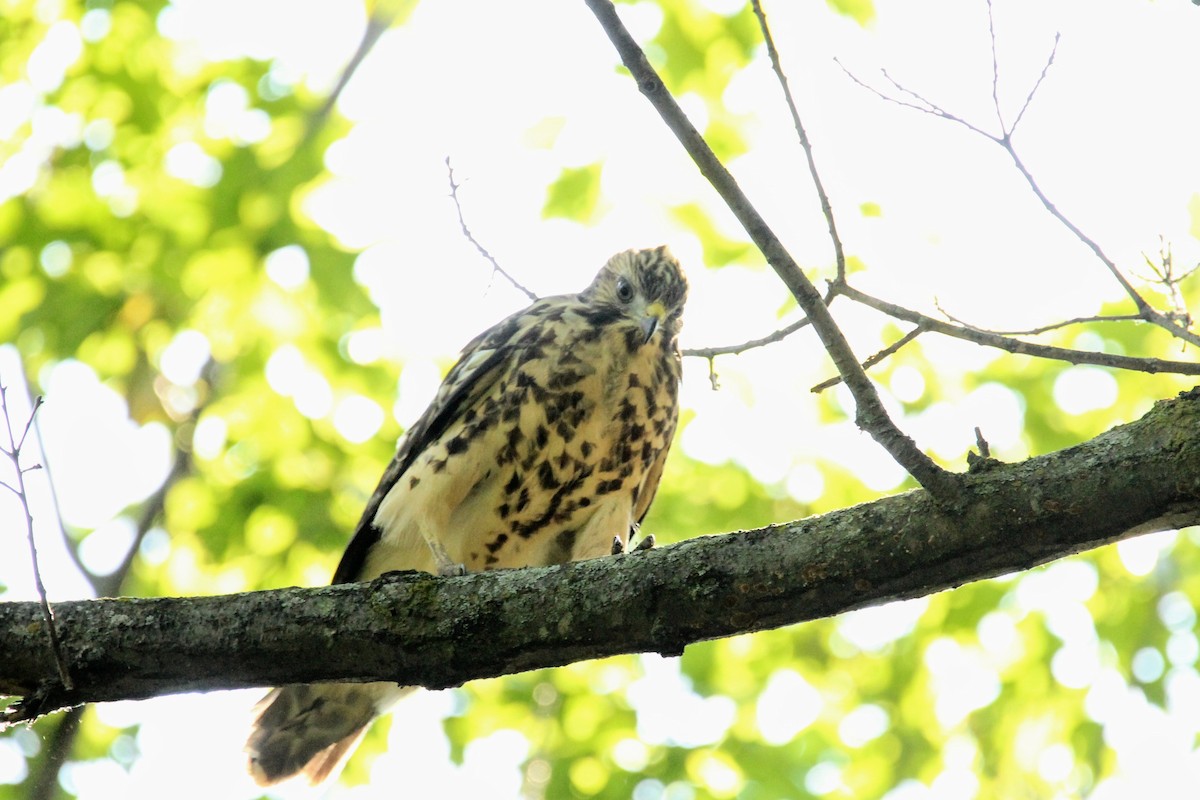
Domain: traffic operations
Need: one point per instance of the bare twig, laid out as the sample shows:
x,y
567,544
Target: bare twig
x,y
14,455
875,359
710,353
62,739
1053,326
870,415
1036,84
826,209
995,66
1151,365
930,107
1164,275
732,349
380,20
483,251
714,380
1144,308
920,103
981,461
60,742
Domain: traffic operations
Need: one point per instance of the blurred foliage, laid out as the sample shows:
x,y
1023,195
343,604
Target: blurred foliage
x,y
575,194
140,222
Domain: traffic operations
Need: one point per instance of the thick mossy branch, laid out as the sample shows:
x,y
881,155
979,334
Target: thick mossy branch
x,y
418,629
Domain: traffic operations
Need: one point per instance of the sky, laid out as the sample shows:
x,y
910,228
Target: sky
x,y
1110,135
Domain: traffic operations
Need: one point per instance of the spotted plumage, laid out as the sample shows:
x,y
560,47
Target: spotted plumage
x,y
544,444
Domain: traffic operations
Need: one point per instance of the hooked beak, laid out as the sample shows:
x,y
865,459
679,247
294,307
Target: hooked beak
x,y
653,318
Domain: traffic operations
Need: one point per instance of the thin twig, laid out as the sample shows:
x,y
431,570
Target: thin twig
x,y
782,333
875,359
714,380
995,66
62,739
14,455
1165,276
1145,310
805,144
923,108
703,352
936,110
1132,363
870,415
483,251
58,748
1036,85
1053,326
710,353
380,20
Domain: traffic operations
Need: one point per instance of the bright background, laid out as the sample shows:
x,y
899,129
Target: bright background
x,y
160,204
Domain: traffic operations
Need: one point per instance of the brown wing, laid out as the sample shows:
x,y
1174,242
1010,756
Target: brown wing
x,y
650,486
477,369
645,497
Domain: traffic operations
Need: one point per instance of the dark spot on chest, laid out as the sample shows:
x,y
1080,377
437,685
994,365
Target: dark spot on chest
x,y
546,477
604,487
508,453
564,545
563,379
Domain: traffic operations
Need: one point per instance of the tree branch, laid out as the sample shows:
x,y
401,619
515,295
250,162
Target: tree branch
x,y
731,349
382,17
1004,140
876,358
483,251
418,629
870,414
13,452
1040,329
805,144
1134,363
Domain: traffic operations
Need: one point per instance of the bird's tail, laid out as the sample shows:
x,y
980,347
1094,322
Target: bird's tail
x,y
311,728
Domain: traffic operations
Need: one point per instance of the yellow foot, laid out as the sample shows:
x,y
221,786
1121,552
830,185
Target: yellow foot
x,y
618,547
447,567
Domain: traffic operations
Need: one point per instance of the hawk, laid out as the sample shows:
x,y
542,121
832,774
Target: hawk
x,y
544,444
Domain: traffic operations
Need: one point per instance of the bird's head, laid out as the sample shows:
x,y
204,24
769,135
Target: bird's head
x,y
645,287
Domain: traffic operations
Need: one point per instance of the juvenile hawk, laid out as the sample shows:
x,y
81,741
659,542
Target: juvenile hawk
x,y
544,444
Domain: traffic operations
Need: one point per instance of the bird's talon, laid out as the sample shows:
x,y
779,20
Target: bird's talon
x,y
618,546
452,570
647,543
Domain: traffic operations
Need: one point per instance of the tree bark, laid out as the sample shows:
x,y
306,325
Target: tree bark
x,y
419,629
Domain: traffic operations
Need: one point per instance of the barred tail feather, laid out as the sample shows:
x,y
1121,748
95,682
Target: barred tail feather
x,y
312,728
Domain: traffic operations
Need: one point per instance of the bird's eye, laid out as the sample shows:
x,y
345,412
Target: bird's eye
x,y
624,290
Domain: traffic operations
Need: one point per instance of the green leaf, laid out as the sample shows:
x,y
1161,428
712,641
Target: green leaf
x,y
575,195
861,11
